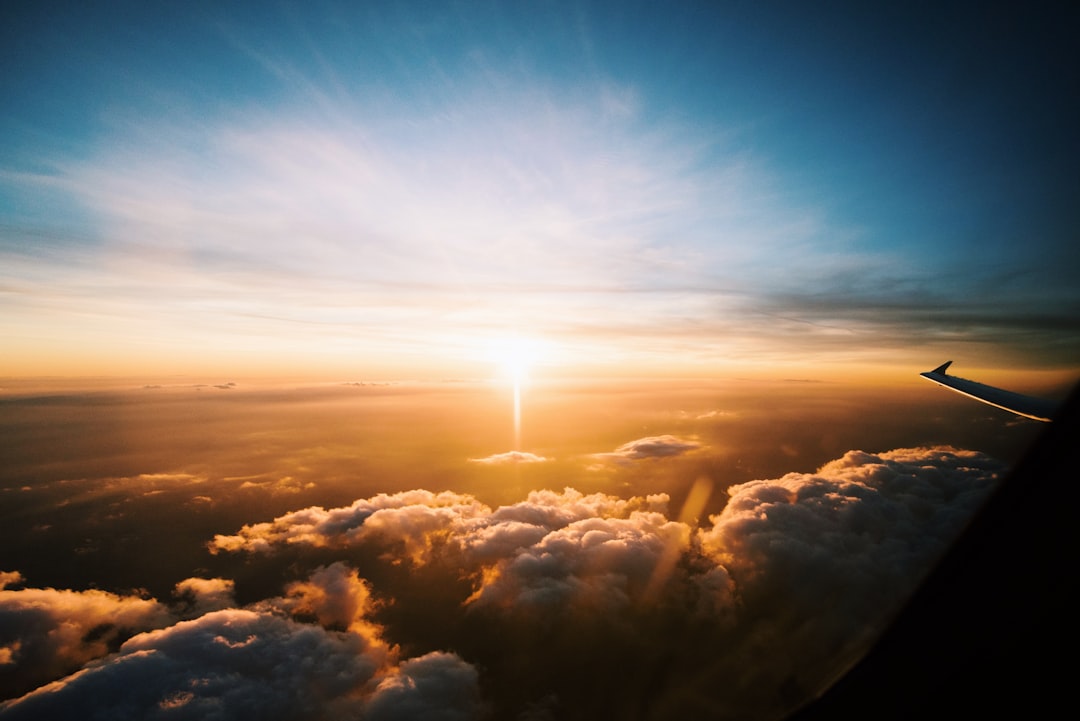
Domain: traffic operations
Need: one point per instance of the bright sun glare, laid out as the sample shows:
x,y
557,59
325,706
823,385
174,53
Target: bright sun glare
x,y
514,356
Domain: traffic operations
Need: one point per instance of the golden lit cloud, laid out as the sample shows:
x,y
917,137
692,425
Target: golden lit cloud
x,y
611,572
510,458
664,446
49,632
203,595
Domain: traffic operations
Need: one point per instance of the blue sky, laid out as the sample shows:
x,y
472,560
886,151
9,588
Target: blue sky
x,y
394,187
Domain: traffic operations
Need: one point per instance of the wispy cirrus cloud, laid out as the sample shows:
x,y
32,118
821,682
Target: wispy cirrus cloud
x,y
433,182
539,204
538,208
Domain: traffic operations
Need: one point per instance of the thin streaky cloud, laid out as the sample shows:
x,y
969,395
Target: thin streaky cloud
x,y
510,458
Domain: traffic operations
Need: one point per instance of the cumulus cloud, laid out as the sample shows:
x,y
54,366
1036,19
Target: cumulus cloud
x,y
422,522
797,573
336,597
510,458
228,663
746,616
820,561
599,549
438,686
650,447
46,633
238,664
203,595
920,495
597,565
338,526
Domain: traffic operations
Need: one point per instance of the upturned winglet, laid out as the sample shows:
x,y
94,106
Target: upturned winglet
x,y
941,368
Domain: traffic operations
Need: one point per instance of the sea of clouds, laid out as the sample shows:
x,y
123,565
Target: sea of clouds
x,y
562,605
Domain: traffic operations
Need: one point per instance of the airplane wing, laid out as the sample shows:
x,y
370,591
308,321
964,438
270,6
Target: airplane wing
x,y
1027,406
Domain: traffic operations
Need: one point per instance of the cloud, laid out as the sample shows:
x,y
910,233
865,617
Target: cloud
x,y
775,595
890,312
540,207
420,521
280,486
510,458
336,597
922,495
438,686
506,177
663,446
236,664
538,178
708,415
797,573
8,653
596,565
598,549
820,561
203,595
338,526
48,632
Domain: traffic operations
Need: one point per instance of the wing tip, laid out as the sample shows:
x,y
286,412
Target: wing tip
x,y
942,368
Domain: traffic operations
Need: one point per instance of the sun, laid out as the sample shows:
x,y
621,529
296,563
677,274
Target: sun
x,y
514,356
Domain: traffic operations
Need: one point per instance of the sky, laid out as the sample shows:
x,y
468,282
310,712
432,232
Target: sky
x,y
509,362
390,189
